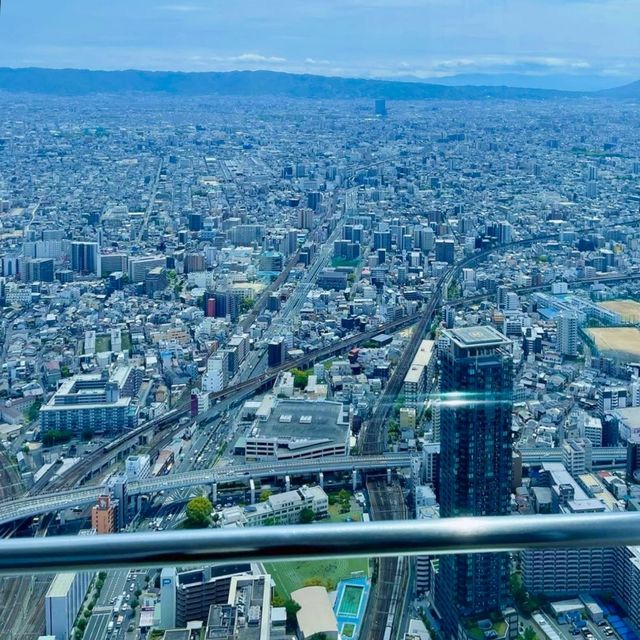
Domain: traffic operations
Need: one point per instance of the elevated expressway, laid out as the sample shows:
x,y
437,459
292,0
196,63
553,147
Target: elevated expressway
x,y
11,510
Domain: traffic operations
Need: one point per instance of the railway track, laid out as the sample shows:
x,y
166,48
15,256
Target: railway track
x,y
381,621
21,597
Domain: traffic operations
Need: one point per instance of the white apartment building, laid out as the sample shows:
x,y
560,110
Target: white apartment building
x,y
215,377
567,334
576,456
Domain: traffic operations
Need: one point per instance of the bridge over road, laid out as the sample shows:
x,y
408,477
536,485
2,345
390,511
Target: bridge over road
x,y
11,510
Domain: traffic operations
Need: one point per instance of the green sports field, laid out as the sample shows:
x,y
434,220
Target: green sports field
x,y
290,576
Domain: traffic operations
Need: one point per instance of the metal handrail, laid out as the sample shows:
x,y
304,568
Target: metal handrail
x,y
300,542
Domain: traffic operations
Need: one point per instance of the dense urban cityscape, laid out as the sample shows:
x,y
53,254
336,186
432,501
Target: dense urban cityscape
x,y
229,312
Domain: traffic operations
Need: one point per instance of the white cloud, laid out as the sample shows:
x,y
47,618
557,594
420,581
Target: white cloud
x,y
256,57
180,8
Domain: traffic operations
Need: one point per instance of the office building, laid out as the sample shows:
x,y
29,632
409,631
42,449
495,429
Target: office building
x,y
271,262
475,464
505,232
381,107
139,267
38,270
188,595
137,467
445,251
85,257
314,200
331,278
195,222
113,263
63,601
567,334
155,281
305,219
382,240
226,304
194,262
276,352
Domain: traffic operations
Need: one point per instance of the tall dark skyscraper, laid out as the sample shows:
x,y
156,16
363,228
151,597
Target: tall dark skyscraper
x,y
85,257
381,107
475,464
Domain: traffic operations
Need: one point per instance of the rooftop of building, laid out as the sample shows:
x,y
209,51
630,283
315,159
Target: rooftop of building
x,y
629,415
302,420
316,614
61,584
470,337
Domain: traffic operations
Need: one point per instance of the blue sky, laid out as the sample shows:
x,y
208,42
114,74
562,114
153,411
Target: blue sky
x,y
366,38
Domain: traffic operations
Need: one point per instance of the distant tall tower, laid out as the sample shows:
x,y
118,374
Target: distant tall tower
x,y
475,464
381,107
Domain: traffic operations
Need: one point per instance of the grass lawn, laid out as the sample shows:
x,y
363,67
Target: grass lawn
x,y
354,515
290,576
348,629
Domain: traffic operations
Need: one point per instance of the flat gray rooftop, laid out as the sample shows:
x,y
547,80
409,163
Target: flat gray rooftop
x,y
467,337
303,420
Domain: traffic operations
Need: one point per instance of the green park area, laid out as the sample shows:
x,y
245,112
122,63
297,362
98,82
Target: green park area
x,y
337,512
290,576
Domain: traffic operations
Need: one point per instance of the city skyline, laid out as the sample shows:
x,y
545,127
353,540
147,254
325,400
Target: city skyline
x,y
351,287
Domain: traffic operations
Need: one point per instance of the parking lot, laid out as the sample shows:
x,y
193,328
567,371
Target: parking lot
x,y
564,631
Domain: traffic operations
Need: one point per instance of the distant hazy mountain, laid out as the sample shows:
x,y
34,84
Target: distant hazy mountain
x,y
262,83
244,83
628,91
557,82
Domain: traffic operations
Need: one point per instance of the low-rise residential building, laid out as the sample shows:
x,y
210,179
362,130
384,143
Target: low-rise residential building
x,y
281,508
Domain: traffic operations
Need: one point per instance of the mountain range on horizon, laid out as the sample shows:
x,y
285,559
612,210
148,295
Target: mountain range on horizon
x,y
69,82
553,81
